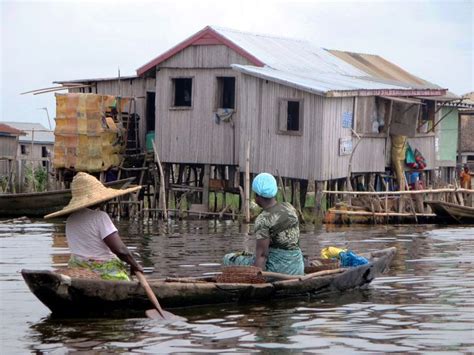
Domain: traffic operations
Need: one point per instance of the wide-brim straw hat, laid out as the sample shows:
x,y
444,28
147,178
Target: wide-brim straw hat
x,y
88,191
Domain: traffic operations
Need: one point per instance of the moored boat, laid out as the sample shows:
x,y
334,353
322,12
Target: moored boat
x,y
73,296
38,204
452,212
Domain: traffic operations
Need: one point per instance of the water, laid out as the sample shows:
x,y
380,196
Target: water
x,y
425,303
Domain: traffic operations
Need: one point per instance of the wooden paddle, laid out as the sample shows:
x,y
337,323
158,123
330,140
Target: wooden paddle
x,y
156,312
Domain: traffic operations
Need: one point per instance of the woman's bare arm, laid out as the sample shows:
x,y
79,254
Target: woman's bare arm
x,y
261,253
114,242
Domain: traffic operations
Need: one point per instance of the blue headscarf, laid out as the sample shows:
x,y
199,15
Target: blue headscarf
x,y
265,185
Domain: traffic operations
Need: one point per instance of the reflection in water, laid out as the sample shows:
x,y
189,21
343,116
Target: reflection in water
x,y
424,303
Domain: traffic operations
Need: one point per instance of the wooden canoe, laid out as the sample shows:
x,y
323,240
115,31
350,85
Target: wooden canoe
x,y
38,204
452,212
81,297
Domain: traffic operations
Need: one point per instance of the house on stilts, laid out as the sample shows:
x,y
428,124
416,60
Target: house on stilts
x,y
313,116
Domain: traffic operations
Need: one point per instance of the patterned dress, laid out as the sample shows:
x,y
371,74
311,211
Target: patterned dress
x,y
280,224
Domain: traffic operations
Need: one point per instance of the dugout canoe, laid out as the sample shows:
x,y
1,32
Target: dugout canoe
x,y
78,297
452,212
38,204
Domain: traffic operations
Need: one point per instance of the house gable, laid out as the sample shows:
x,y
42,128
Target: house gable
x,y
205,37
205,56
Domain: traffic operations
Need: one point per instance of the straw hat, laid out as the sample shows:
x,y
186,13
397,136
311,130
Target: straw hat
x,y
88,191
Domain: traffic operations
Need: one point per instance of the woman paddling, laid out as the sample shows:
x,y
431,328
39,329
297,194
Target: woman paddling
x,y
93,239
277,232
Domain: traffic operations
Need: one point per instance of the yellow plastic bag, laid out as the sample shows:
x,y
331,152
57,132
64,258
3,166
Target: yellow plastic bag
x,y
331,252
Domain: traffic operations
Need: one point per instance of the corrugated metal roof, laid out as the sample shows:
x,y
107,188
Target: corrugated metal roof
x,y
303,65
42,134
9,130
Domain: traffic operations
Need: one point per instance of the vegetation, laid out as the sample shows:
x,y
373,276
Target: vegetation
x,y
36,179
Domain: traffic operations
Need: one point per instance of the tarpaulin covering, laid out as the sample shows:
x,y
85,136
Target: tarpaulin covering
x,y
86,136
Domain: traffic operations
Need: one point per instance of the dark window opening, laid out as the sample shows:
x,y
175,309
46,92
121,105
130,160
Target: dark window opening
x,y
23,149
428,111
226,92
150,111
182,92
293,116
44,152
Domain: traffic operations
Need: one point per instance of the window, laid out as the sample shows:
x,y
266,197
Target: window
x,y
23,149
182,89
150,111
427,116
291,117
225,92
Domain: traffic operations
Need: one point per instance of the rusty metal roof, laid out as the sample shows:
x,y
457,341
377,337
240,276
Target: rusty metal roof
x,y
379,68
10,131
41,134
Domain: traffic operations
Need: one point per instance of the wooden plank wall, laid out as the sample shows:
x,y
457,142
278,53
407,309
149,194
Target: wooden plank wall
x,y
369,155
8,148
191,135
333,165
292,155
208,56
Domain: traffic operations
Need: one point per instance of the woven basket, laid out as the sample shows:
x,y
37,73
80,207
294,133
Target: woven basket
x,y
241,274
321,264
79,273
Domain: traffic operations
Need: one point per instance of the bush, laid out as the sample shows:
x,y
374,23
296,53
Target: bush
x,y
39,181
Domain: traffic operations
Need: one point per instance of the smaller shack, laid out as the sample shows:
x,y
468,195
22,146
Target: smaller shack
x,y
9,137
34,148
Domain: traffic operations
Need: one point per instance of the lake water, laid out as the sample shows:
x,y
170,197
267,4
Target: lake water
x,y
425,303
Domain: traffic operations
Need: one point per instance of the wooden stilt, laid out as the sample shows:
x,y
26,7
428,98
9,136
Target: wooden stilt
x,y
205,185
247,184
318,208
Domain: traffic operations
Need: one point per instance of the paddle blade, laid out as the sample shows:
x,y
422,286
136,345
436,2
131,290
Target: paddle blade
x,y
154,314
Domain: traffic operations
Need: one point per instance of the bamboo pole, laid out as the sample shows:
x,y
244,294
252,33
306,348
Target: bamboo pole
x,y
162,201
382,214
411,192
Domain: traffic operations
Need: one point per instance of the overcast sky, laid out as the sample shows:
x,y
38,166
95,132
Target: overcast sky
x,y
42,42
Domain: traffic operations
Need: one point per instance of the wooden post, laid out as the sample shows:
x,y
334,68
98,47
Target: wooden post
x,y
162,201
282,185
205,186
318,198
31,160
247,183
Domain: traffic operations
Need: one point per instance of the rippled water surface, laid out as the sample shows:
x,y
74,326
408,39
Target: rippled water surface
x,y
424,303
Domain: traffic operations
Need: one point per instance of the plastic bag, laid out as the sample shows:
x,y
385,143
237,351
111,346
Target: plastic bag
x,y
410,157
349,259
331,252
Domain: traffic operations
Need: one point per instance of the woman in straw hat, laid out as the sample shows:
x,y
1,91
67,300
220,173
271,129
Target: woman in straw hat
x,y
277,231
92,237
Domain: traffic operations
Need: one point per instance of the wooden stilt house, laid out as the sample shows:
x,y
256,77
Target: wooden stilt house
x,y
307,113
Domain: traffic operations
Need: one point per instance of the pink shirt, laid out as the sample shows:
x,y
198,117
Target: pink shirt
x,y
85,233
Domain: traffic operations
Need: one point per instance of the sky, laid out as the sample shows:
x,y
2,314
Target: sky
x,y
46,41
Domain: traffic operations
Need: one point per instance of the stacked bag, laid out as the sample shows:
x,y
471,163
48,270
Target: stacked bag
x,y
346,257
